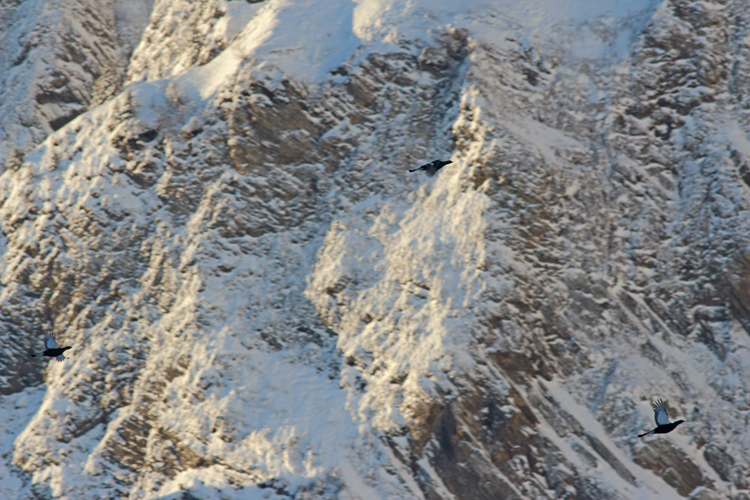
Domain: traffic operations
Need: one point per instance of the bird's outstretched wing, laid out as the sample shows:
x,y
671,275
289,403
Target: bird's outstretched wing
x,y
431,168
49,342
660,413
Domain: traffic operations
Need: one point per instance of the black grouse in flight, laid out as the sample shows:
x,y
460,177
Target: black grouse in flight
x,y
51,349
431,168
663,425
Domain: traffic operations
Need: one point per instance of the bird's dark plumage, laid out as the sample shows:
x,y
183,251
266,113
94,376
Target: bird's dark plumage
x,y
51,350
663,425
431,168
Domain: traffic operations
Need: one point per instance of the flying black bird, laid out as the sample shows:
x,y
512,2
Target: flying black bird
x,y
431,168
663,425
51,349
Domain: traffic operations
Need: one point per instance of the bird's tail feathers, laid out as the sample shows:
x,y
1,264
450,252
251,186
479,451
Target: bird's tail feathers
x,y
36,354
646,433
414,170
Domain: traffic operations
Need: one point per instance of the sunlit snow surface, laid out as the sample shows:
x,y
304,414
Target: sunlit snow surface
x,y
16,410
307,40
416,263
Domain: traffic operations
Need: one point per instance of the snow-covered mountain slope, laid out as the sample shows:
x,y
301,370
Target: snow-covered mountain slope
x,y
263,303
58,59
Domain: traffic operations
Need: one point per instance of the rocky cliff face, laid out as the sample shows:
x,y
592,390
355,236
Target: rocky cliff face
x,y
263,304
59,59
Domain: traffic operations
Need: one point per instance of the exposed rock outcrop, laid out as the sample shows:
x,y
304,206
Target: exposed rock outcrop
x,y
263,303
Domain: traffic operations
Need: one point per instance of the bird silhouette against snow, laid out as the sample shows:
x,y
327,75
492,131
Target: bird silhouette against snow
x,y
51,349
663,425
431,168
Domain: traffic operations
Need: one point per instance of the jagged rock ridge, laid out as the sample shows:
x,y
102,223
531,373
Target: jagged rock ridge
x,y
264,303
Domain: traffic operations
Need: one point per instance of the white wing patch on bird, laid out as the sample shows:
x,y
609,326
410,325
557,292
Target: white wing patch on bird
x,y
49,342
660,413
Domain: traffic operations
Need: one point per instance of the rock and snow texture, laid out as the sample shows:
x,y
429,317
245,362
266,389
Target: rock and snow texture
x,y
60,58
264,306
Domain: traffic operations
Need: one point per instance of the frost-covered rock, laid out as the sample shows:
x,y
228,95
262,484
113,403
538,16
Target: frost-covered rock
x,y
54,54
264,306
